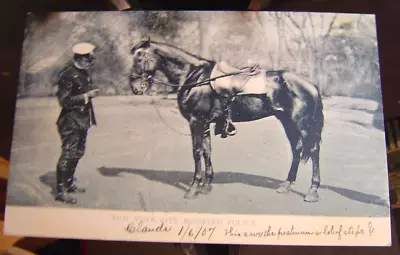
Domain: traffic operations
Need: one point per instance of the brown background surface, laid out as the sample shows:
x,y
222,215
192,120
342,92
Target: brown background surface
x,y
12,22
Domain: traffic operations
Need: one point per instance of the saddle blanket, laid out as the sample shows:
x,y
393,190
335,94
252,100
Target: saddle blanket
x,y
249,82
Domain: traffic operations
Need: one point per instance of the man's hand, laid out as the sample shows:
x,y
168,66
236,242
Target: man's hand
x,y
93,93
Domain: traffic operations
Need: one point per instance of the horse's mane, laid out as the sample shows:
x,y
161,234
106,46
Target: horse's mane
x,y
180,51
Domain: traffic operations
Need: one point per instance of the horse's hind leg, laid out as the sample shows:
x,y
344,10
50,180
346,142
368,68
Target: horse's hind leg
x,y
209,174
197,131
294,138
312,195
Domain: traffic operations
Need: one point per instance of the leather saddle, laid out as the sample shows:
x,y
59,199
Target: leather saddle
x,y
250,80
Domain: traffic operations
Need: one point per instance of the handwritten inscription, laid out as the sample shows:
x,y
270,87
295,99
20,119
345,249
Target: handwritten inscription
x,y
371,229
267,233
188,231
342,231
196,232
142,228
329,230
204,232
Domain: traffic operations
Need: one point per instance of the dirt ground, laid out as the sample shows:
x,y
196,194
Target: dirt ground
x,y
139,158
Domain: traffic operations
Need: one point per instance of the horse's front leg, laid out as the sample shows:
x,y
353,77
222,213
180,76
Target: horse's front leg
x,y
197,130
209,174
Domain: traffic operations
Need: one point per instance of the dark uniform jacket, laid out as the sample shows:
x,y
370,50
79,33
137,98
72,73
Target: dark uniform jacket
x,y
73,83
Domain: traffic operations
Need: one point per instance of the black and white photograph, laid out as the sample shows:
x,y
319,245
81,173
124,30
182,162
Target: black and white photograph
x,y
247,113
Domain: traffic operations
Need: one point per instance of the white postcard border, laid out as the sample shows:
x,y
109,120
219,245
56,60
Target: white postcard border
x,y
196,228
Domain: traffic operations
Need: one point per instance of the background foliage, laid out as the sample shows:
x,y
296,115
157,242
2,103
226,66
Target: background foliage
x,y
339,52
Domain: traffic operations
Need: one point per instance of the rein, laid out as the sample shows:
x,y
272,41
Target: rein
x,y
241,71
153,102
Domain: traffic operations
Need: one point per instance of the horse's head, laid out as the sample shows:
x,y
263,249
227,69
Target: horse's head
x,y
145,64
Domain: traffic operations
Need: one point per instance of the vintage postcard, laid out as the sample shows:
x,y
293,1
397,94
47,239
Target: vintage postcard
x,y
200,127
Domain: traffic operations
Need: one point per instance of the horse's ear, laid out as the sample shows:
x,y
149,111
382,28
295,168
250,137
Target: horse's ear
x,y
146,42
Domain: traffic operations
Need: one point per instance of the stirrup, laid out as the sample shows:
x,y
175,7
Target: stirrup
x,y
226,132
278,108
233,131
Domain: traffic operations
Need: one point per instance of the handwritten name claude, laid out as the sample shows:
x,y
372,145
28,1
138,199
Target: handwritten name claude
x,y
140,227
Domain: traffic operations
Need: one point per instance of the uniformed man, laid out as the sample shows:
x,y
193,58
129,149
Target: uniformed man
x,y
77,116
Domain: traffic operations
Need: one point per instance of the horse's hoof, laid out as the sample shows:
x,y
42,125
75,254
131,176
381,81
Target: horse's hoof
x,y
312,195
205,189
284,188
191,193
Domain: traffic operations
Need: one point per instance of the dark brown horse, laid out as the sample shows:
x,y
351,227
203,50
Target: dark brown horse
x,y
302,116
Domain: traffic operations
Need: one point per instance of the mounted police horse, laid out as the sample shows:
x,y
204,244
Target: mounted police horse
x,y
200,96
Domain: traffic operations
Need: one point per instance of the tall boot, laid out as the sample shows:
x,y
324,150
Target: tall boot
x,y
72,187
62,177
228,128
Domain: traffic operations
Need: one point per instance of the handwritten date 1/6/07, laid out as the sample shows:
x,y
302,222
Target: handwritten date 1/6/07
x,y
196,232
